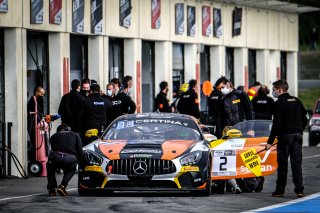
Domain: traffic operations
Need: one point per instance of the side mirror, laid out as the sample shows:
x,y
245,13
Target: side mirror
x,y
210,137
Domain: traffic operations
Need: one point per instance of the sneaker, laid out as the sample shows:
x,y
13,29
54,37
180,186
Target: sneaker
x,y
277,194
52,192
62,190
300,194
237,190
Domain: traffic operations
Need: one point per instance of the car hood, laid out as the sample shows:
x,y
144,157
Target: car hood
x,y
121,149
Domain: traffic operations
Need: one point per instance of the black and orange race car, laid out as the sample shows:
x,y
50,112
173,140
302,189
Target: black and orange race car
x,y
156,152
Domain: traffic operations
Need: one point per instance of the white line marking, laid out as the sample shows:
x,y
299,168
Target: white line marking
x,y
313,156
309,197
11,198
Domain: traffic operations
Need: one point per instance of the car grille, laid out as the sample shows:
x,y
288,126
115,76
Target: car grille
x,y
149,167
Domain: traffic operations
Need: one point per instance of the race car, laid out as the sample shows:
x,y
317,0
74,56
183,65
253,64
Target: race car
x,y
155,152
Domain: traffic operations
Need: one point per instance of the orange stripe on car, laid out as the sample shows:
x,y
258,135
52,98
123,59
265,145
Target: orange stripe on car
x,y
174,148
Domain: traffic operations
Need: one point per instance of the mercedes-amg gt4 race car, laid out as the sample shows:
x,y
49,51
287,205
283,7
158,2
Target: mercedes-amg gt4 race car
x,y
168,152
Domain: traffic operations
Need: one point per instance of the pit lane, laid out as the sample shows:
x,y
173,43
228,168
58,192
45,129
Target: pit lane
x,y
19,195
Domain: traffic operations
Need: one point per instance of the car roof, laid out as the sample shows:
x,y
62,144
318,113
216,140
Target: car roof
x,y
154,115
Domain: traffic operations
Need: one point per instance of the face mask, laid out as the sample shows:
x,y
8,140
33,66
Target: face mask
x,y
225,90
274,94
129,91
109,92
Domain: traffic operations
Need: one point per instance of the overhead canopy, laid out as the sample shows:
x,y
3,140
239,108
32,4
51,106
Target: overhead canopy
x,y
283,6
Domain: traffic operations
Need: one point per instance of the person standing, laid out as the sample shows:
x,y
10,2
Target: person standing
x,y
66,151
161,101
313,36
235,107
128,79
85,87
94,112
115,110
35,110
70,105
214,103
124,101
189,102
290,119
263,104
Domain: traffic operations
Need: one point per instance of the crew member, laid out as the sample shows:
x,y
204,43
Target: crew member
x,y
161,101
115,110
288,124
85,87
236,107
70,105
66,151
189,102
95,111
35,105
124,101
263,104
215,106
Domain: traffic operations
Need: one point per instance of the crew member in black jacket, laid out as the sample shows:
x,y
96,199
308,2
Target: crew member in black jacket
x,y
263,104
70,106
288,124
161,101
124,101
215,106
189,102
95,111
66,151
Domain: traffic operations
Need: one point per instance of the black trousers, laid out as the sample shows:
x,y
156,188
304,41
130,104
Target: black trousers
x,y
66,162
290,145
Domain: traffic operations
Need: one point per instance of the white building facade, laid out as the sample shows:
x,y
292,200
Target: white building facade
x,y
51,42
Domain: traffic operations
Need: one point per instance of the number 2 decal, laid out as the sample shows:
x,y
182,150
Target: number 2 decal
x,y
224,163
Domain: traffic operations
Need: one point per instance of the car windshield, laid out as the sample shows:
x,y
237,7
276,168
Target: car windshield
x,y
130,130
317,109
261,128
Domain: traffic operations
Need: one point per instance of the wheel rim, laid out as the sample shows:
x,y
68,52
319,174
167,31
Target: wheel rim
x,y
35,168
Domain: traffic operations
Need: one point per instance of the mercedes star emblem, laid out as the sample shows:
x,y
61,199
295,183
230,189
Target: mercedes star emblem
x,y
140,167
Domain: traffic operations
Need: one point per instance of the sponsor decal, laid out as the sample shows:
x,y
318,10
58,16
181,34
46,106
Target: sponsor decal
x,y
191,25
179,22
55,12
36,11
155,14
197,180
158,121
125,13
262,102
3,6
78,16
217,24
264,168
236,101
252,161
189,169
129,151
206,21
98,103
140,156
96,16
235,143
93,168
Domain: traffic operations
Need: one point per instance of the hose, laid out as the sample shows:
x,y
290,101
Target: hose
x,y
16,162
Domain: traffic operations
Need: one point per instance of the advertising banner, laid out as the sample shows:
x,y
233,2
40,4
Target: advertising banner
x,y
96,16
55,12
206,21
155,14
191,25
3,6
36,13
179,23
236,19
125,13
78,16
217,23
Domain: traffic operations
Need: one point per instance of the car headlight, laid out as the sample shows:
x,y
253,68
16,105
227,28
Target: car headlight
x,y
92,157
191,158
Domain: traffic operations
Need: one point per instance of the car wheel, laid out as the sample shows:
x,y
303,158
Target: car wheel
x,y
312,140
35,168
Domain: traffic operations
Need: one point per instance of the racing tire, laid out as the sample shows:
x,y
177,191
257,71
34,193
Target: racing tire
x,y
35,168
